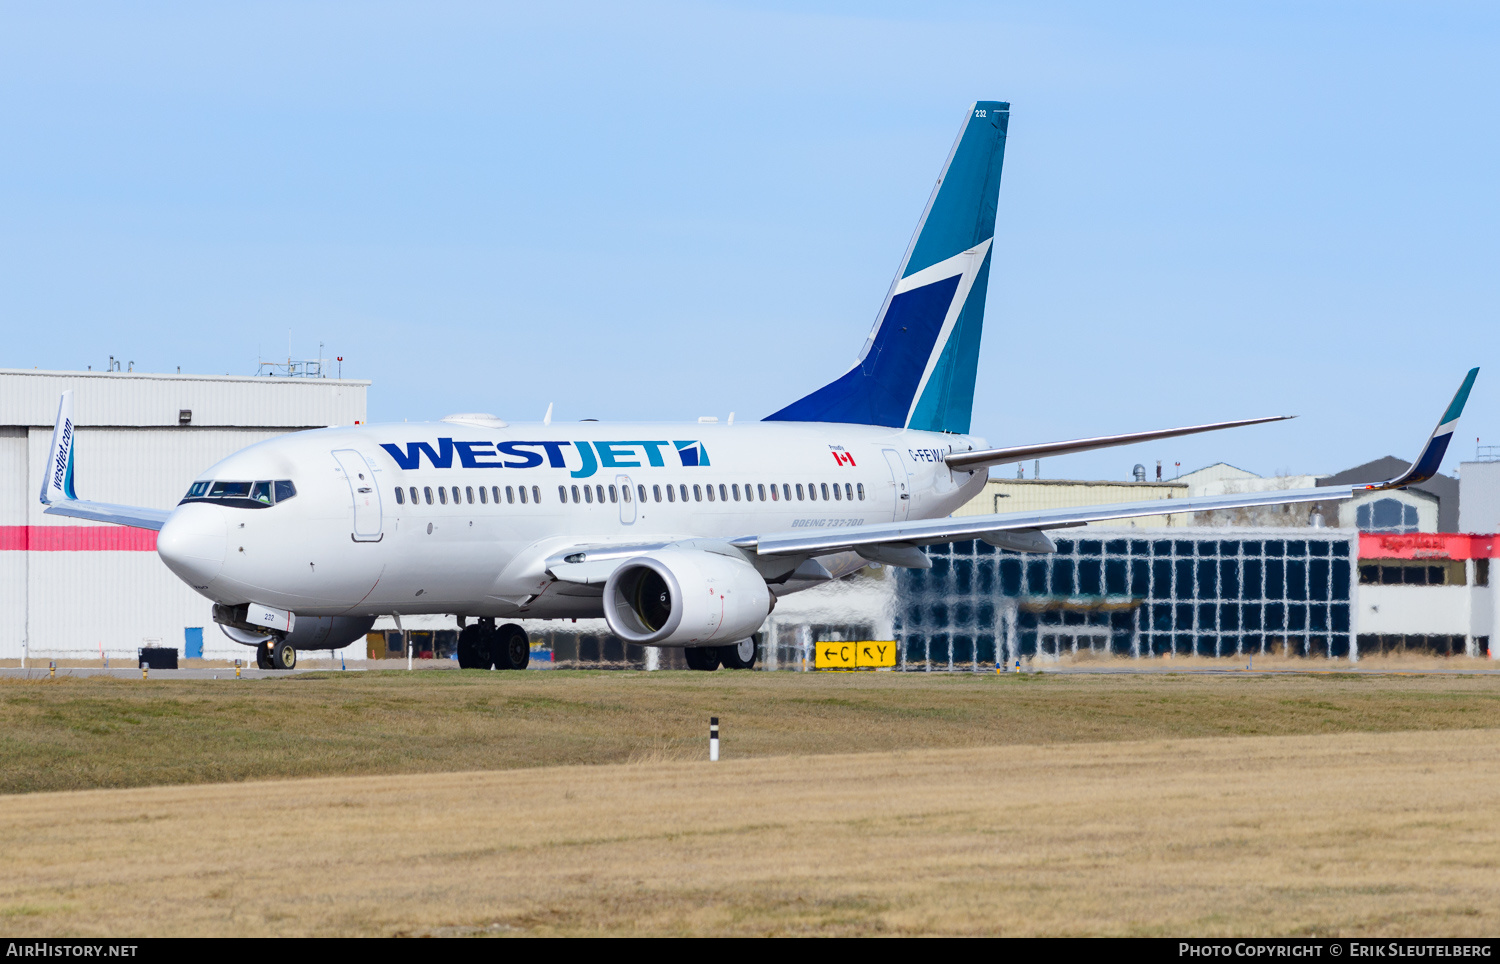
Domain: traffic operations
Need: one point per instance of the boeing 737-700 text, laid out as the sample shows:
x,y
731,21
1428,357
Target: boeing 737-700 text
x,y
678,535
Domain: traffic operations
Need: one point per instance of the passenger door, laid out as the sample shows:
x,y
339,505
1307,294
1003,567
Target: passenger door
x,y
900,486
627,500
365,494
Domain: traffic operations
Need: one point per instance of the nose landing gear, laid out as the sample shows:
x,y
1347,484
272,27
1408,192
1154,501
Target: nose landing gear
x,y
482,646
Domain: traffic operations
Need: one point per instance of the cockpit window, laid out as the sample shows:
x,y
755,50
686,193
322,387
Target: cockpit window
x,y
229,490
242,495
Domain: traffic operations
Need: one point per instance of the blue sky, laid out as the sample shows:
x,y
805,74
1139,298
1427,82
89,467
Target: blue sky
x,y
1209,211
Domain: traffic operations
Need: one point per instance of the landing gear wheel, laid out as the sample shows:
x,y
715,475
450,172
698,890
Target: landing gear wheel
x,y
283,656
263,656
702,657
740,655
511,648
473,648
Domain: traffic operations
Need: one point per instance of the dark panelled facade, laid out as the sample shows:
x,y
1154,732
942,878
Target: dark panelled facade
x,y
1142,593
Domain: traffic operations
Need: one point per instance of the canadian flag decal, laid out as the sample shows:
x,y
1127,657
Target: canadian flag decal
x,y
844,458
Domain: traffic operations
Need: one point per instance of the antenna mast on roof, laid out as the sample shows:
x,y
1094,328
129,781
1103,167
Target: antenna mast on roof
x,y
293,367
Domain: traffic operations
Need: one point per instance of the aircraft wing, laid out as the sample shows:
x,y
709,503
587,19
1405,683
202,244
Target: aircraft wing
x,y
897,542
57,484
1014,530
124,515
1020,453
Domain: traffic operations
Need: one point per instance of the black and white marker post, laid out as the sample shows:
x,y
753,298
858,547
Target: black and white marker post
x,y
713,739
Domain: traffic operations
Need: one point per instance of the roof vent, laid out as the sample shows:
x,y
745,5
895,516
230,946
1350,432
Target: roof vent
x,y
482,419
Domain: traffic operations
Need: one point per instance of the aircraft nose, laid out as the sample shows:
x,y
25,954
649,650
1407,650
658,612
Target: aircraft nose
x,y
193,543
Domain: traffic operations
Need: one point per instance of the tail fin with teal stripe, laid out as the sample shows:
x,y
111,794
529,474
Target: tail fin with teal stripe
x,y
918,366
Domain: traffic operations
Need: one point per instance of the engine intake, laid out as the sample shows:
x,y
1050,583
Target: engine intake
x,y
686,597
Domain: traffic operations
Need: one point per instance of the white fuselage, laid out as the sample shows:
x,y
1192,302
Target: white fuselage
x,y
345,544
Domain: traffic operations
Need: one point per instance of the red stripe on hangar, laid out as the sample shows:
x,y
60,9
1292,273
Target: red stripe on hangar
x,y
77,539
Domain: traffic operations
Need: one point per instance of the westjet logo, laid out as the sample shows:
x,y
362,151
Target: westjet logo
x,y
581,459
64,445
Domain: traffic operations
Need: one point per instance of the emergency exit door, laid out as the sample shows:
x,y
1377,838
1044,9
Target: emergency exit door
x,y
627,500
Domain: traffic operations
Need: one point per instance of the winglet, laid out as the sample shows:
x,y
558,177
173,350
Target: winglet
x,y
57,483
1431,457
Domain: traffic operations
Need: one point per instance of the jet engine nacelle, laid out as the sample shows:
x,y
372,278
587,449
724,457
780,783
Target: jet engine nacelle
x,y
686,597
308,632
328,632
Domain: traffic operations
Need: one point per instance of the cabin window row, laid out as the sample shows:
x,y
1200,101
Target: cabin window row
x,y
723,492
461,495
751,492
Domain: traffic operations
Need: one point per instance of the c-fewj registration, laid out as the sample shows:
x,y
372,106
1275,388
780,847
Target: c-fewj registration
x,y
677,534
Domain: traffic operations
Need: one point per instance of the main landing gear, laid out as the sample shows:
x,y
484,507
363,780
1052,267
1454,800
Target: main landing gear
x,y
739,655
276,654
482,645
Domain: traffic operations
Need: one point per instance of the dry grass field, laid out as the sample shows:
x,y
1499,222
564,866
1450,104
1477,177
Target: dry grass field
x,y
580,803
1391,834
87,732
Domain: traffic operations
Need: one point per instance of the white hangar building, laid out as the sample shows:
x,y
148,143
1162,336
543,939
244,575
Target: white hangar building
x,y
70,588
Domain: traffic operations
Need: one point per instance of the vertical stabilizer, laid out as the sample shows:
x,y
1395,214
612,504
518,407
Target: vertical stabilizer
x,y
919,364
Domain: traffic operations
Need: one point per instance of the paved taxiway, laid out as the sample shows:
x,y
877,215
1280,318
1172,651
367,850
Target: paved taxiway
x,y
131,672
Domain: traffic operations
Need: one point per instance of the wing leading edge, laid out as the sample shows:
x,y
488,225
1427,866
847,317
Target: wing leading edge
x,y
1020,453
122,515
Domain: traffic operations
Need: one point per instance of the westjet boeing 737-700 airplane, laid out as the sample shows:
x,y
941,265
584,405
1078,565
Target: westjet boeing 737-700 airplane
x,y
677,534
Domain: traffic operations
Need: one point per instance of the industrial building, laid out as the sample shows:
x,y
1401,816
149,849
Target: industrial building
x,y
1204,592
1431,506
1333,593
75,589
1392,577
1036,494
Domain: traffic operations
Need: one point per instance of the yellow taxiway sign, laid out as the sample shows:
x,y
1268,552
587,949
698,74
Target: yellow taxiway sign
x,y
856,654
